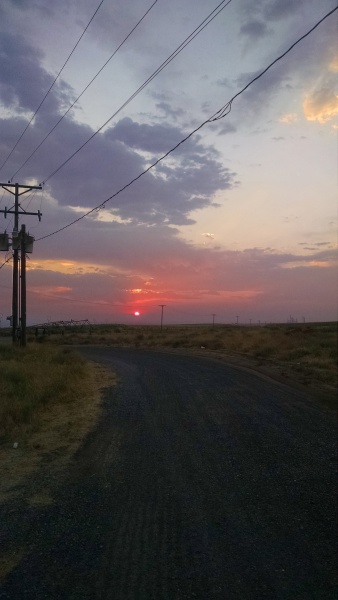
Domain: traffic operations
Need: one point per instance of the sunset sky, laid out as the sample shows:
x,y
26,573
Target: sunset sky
x,y
240,220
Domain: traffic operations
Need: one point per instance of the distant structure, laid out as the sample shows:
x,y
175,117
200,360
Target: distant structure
x,y
60,326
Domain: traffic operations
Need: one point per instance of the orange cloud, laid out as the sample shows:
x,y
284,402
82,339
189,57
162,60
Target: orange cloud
x,y
58,289
304,263
66,267
321,104
333,66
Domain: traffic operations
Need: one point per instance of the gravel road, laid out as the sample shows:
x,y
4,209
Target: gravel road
x,y
201,481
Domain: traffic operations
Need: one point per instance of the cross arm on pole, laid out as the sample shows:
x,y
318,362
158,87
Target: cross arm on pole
x,y
26,187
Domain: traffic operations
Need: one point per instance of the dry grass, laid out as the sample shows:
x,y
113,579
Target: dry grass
x,y
50,400
34,379
309,352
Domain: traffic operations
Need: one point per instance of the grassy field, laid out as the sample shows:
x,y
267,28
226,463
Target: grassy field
x,y
33,380
308,352
50,398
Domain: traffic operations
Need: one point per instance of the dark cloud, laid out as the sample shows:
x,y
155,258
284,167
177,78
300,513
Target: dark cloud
x,y
279,10
151,138
111,160
164,97
23,82
23,5
169,111
275,10
256,99
254,29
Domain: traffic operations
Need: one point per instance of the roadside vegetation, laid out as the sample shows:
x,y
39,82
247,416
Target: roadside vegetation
x,y
45,375
307,352
35,379
50,399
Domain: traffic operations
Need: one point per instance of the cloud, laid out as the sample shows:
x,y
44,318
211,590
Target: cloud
x,y
22,85
133,252
254,29
289,118
111,260
227,128
224,82
143,136
255,280
298,71
184,183
321,103
169,111
275,10
257,98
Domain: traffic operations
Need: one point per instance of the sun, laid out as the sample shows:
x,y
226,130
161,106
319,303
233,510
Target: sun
x,y
136,313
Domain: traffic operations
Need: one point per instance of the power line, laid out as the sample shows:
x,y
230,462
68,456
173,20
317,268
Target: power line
x,y
5,262
220,114
51,87
168,60
83,91
227,107
2,197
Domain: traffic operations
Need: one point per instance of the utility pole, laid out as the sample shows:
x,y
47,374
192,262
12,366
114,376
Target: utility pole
x,y
15,210
213,320
23,285
162,307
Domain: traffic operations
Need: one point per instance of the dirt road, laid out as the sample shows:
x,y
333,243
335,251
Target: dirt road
x,y
201,481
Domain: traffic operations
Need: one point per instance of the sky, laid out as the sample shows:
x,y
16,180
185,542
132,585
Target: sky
x,y
240,221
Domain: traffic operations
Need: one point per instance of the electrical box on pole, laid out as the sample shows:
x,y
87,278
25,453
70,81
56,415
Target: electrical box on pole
x,y
4,242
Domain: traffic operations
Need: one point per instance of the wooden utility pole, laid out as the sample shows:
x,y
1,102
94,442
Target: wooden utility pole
x,y
213,320
17,210
162,307
15,295
23,285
